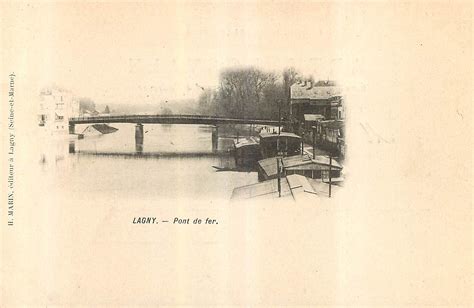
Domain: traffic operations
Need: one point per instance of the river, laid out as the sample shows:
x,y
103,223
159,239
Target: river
x,y
177,161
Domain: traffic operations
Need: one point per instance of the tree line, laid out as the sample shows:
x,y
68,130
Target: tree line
x,y
246,92
249,93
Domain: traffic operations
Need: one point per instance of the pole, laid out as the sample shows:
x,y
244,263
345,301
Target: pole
x,y
330,177
314,142
279,125
278,176
302,144
279,116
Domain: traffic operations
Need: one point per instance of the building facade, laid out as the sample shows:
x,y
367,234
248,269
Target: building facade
x,y
56,106
322,98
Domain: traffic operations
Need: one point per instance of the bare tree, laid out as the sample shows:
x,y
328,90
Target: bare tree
x,y
249,92
290,76
207,102
86,105
241,91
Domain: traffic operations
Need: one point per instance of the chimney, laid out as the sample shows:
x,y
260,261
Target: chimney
x,y
310,85
303,84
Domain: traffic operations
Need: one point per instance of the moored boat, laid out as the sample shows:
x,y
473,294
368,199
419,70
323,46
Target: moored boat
x,y
247,152
283,144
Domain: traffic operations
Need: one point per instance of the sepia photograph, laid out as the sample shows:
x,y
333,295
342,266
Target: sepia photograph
x,y
236,153
261,134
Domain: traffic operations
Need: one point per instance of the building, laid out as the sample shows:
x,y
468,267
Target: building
x,y
56,106
311,120
322,98
330,135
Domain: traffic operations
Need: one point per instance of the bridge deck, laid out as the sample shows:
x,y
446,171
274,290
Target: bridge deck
x,y
168,119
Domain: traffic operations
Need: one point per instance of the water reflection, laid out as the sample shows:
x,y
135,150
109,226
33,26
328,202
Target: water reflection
x,y
140,155
72,147
152,160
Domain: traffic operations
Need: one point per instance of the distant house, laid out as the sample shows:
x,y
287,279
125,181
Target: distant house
x,y
89,113
323,98
56,106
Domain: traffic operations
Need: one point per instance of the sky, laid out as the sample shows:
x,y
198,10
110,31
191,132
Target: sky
x,y
145,53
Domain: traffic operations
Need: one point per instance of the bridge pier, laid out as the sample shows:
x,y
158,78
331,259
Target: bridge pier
x,y
215,138
139,138
72,129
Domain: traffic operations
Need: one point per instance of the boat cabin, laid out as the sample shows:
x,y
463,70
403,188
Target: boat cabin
x,y
287,144
247,152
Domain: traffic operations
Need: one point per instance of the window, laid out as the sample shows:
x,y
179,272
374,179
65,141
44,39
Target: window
x,y
58,117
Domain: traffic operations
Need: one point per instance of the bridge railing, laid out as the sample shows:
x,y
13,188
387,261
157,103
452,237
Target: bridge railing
x,y
154,116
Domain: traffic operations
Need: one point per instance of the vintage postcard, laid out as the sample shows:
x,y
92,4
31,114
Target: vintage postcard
x,y
236,153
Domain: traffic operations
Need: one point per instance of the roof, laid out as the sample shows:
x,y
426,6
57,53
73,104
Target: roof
x,y
291,186
268,165
311,167
335,124
104,128
297,162
322,188
324,160
313,117
282,134
315,92
267,189
243,142
297,182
